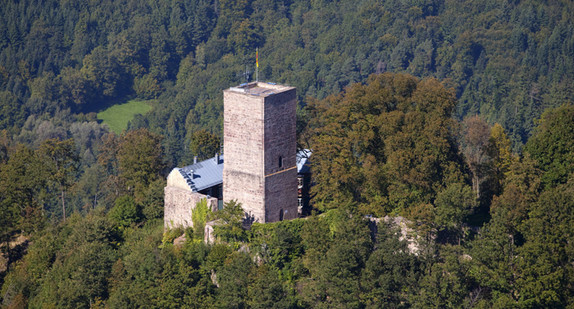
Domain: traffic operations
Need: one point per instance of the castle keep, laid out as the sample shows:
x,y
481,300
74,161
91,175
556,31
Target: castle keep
x,y
263,170
259,139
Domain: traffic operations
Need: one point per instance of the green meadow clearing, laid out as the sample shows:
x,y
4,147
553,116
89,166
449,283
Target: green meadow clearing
x,y
118,116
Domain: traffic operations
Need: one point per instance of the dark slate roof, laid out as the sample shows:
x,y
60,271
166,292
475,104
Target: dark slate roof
x,y
204,174
303,161
209,173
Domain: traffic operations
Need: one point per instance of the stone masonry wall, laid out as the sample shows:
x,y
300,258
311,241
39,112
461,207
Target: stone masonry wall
x,y
179,204
281,196
258,132
243,146
280,145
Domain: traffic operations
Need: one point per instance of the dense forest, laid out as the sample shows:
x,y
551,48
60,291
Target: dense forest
x,y
471,224
61,60
442,136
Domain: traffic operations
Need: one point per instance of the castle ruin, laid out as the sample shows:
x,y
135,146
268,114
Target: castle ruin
x,y
263,170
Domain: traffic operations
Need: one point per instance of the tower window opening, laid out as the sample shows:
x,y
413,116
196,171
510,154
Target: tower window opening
x,y
281,215
280,161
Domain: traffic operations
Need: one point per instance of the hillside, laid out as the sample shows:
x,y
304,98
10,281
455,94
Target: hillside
x,y
507,61
490,228
454,115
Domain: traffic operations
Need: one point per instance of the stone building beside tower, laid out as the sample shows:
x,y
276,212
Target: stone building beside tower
x,y
260,167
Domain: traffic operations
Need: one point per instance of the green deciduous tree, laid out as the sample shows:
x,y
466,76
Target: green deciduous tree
x,y
387,145
74,271
501,157
125,212
75,89
444,284
22,180
391,272
88,190
547,255
153,202
61,162
335,277
147,87
266,289
474,140
233,280
230,222
139,269
453,205
500,250
494,260
244,37
521,189
553,145
204,144
140,163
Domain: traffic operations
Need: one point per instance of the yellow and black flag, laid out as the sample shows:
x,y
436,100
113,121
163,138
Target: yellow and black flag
x,y
257,64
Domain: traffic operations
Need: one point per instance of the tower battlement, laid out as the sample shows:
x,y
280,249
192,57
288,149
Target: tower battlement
x,y
260,89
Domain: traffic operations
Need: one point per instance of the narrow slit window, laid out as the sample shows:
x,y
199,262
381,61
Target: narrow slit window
x,y
280,162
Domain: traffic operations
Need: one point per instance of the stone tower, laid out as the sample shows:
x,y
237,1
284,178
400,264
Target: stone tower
x,y
259,141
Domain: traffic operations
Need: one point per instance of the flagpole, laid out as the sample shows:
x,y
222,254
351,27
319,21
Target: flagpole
x,y
257,64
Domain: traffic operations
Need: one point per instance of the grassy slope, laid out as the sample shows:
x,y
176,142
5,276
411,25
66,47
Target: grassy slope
x,y
118,116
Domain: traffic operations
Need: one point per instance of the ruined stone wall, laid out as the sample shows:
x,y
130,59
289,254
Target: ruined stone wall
x,y
178,206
